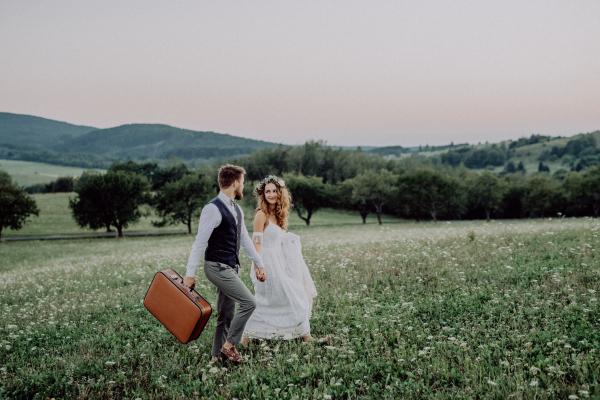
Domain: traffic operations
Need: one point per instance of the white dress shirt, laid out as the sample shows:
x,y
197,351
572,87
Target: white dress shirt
x,y
210,218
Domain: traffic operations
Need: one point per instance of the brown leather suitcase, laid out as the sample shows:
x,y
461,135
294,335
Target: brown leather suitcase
x,y
180,309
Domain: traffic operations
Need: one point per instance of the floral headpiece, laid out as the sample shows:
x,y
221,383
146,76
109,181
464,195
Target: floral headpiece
x,y
260,186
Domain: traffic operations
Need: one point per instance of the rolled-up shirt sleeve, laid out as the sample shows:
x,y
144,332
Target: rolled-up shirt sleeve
x,y
248,246
210,218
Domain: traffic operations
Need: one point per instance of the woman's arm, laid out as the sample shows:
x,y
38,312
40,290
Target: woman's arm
x,y
260,220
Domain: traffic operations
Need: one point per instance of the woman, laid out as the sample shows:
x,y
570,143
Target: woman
x,y
284,297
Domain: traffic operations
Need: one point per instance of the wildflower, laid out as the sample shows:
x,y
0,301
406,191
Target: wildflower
x,y
509,267
451,339
326,396
492,383
110,363
573,397
533,383
213,370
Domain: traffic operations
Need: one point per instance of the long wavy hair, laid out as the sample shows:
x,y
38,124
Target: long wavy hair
x,y
281,209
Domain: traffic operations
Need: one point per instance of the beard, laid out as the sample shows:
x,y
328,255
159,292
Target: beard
x,y
238,194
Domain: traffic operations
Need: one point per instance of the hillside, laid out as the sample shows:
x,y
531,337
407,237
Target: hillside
x,y
148,141
29,130
29,138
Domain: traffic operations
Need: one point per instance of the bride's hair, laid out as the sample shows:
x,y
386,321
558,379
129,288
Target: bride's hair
x,y
281,209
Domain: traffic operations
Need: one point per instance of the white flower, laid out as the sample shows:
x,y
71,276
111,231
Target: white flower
x,y
110,363
326,396
509,267
451,338
213,370
492,383
573,397
533,383
281,183
12,327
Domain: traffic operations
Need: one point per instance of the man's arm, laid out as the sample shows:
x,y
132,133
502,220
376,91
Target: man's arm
x,y
248,246
210,218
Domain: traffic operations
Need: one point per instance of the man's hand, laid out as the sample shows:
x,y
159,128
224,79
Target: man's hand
x,y
190,282
261,275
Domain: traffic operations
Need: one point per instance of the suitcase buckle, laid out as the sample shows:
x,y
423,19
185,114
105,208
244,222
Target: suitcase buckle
x,y
196,298
174,277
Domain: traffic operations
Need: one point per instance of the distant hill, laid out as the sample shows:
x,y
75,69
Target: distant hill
x,y
147,141
29,138
36,131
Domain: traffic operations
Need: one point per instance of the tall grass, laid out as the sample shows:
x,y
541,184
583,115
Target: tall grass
x,y
500,310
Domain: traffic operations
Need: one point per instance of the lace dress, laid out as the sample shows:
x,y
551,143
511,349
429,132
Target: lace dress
x,y
284,300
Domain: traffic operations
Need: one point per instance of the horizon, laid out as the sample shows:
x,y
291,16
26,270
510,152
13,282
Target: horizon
x,y
347,73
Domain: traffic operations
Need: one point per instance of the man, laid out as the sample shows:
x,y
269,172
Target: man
x,y
222,228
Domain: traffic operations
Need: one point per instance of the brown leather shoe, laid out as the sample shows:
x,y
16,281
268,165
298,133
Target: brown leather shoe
x,y
232,355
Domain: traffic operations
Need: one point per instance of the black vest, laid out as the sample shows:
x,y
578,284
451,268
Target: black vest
x,y
224,242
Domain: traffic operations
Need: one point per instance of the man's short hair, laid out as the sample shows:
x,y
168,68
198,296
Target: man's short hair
x,y
229,174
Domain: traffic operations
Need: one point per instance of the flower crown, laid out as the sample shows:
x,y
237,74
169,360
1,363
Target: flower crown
x,y
269,179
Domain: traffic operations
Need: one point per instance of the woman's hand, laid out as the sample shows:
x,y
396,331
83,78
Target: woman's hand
x,y
260,273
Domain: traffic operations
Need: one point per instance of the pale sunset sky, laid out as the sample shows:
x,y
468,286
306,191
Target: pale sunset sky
x,y
371,73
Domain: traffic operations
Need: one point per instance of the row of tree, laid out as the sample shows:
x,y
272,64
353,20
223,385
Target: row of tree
x,y
318,176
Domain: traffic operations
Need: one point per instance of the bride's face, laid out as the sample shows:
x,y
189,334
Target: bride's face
x,y
271,193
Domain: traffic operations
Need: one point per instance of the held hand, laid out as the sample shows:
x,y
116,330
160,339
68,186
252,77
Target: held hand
x,y
262,274
190,282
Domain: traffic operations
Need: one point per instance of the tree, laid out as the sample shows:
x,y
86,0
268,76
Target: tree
x,y
309,194
487,191
16,206
428,191
542,196
112,199
510,167
543,168
181,201
583,190
373,189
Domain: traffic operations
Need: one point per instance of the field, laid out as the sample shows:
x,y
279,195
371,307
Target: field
x,y
27,173
55,218
460,310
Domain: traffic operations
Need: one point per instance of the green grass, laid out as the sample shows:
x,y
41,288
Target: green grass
x,y
55,218
26,173
414,311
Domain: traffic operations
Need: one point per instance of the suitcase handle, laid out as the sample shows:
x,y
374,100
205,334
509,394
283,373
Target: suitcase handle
x,y
174,277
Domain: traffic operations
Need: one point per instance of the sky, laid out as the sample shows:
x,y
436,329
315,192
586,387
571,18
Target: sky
x,y
370,73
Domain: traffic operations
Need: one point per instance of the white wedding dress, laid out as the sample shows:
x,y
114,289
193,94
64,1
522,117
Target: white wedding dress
x,y
284,300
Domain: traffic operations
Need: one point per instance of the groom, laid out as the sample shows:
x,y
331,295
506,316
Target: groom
x,y
222,228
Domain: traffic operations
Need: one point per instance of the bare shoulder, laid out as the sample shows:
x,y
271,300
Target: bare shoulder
x,y
260,216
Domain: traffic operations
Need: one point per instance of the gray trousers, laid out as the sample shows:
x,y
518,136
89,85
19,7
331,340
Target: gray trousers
x,y
230,290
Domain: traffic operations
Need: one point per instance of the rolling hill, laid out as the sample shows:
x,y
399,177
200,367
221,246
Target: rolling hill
x,y
36,131
149,141
29,138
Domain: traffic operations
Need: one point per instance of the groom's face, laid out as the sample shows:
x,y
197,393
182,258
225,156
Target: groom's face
x,y
239,190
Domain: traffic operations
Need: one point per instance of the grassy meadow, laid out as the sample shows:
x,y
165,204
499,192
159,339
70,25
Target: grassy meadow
x,y
55,218
26,173
450,310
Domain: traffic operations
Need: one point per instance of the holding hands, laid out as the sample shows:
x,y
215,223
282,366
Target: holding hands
x,y
261,275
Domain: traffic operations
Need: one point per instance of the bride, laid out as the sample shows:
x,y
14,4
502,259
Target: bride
x,y
284,294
